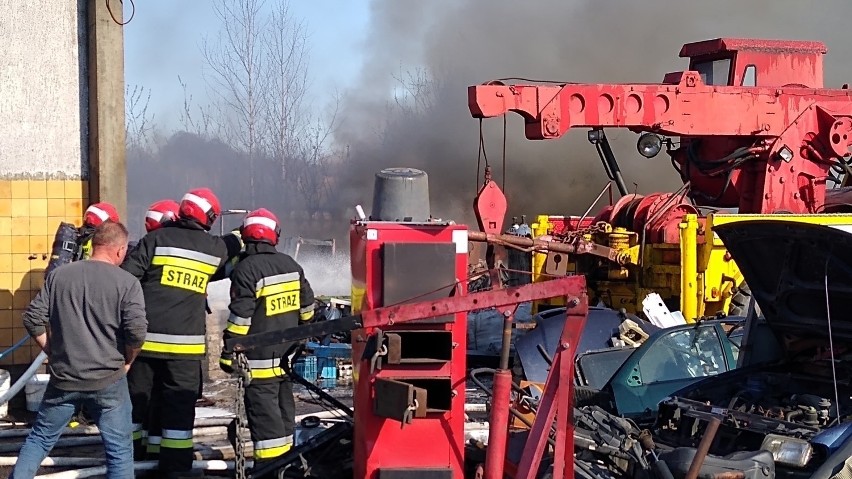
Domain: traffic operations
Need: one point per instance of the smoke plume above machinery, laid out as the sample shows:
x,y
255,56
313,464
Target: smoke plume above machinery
x,y
409,106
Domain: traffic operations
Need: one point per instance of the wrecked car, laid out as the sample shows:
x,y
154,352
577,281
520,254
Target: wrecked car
x,y
630,381
789,405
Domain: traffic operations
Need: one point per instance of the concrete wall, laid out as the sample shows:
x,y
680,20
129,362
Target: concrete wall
x,y
44,169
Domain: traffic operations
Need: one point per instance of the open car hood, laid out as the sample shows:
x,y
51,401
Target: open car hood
x,y
785,264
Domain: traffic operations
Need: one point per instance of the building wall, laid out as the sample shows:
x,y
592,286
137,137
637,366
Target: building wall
x,y
44,169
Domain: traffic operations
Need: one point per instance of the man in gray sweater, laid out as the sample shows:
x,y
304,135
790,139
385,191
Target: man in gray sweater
x,y
90,320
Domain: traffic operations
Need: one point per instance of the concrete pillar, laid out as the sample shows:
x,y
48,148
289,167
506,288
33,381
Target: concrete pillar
x,y
108,170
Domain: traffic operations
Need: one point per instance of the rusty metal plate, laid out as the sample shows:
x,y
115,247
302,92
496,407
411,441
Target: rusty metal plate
x,y
556,264
394,399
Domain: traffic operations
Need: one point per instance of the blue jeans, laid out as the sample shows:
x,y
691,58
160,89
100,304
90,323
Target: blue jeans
x,y
109,408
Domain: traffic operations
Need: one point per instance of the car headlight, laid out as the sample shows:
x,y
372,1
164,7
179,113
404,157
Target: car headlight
x,y
787,450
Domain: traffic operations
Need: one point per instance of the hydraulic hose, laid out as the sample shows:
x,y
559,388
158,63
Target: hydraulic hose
x,y
19,384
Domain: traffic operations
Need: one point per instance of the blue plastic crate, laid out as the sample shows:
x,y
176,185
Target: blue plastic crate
x,y
306,367
333,350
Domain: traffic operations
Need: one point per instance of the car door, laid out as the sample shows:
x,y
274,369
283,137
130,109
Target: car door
x,y
669,360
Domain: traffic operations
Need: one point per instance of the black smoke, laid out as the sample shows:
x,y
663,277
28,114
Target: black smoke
x,y
464,42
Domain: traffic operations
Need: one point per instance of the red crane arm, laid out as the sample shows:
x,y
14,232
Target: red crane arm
x,y
685,108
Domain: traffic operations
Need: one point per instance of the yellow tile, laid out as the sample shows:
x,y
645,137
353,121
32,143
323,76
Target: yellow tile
x,y
21,226
20,207
20,189
19,278
22,298
39,263
41,245
74,207
76,189
5,226
55,207
22,355
5,207
21,262
55,189
38,189
6,302
5,189
21,244
6,338
36,281
6,283
5,248
5,263
38,207
38,225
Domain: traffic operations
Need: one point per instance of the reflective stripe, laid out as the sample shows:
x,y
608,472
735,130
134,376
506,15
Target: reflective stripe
x,y
152,449
138,435
264,363
239,330
155,440
260,220
198,266
176,338
176,439
103,215
226,362
272,447
187,254
137,427
154,215
307,309
176,434
272,289
238,320
199,201
275,279
306,316
238,325
174,343
265,368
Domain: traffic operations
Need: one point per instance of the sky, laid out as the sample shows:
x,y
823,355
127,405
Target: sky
x,y
163,42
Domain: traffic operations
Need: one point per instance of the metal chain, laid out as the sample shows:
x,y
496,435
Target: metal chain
x,y
243,372
572,236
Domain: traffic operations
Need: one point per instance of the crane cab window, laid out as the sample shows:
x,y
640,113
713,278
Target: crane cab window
x,y
750,76
714,72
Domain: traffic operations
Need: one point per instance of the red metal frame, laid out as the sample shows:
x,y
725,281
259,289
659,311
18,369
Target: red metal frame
x,y
381,443
791,128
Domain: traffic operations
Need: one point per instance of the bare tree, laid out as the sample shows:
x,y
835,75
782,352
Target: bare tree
x,y
316,162
286,64
236,76
139,123
203,122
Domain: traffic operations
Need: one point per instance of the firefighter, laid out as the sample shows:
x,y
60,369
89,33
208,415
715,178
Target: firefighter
x,y
161,213
95,214
269,292
174,264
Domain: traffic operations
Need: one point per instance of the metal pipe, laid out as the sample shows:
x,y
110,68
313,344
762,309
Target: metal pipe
x,y
93,430
689,267
499,425
522,242
56,461
209,465
507,339
703,448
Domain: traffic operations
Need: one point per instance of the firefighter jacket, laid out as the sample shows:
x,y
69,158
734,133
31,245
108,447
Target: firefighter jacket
x,y
84,242
174,265
269,292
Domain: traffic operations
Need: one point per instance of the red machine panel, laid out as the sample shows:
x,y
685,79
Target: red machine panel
x,y
395,263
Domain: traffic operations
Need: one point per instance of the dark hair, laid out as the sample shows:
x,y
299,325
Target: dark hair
x,y
110,233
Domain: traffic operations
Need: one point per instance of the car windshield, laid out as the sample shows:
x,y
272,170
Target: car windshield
x,y
715,72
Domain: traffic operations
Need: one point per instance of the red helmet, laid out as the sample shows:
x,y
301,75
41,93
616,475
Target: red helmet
x,y
160,213
261,225
200,205
97,213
